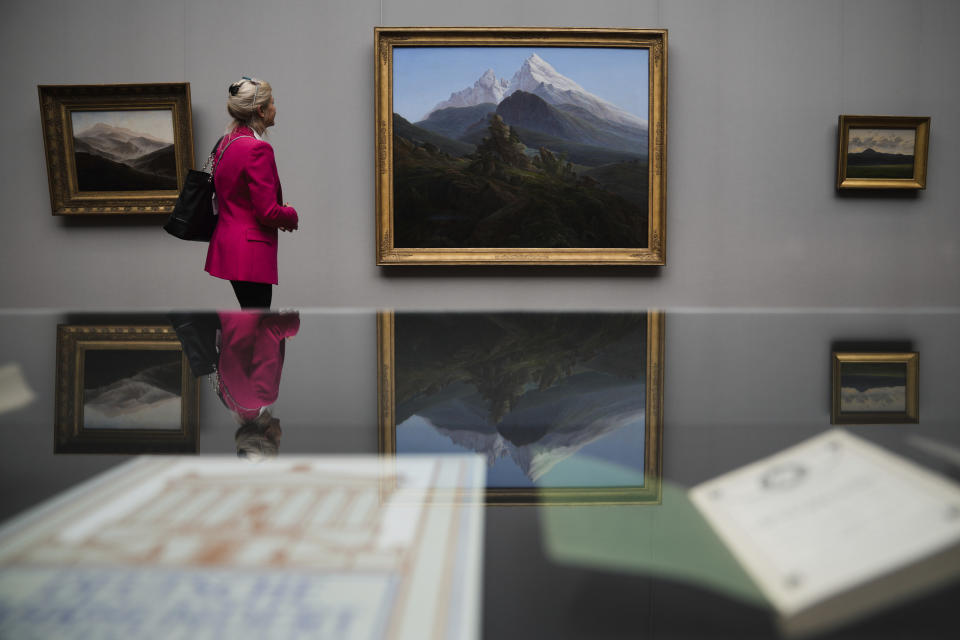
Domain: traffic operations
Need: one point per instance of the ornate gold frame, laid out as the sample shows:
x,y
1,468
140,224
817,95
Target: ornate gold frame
x,y
919,124
653,39
56,103
912,412
650,493
69,435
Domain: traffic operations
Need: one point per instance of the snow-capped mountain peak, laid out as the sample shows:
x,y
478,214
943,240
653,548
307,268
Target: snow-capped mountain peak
x,y
536,71
537,76
488,88
488,79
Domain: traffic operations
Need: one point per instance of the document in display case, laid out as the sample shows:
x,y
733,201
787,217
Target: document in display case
x,y
206,547
823,533
835,527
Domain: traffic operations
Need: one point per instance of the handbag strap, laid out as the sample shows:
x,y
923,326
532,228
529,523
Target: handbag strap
x,y
223,151
213,151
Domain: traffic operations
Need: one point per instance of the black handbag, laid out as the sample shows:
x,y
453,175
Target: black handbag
x,y
193,217
197,332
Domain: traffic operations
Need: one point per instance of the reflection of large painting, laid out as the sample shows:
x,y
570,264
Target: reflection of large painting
x,y
543,144
116,148
123,389
124,150
531,393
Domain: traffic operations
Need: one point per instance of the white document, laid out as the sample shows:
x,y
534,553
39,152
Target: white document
x,y
829,515
194,547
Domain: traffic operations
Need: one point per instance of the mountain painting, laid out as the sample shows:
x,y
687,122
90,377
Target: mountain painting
x,y
519,147
531,392
124,150
880,153
132,389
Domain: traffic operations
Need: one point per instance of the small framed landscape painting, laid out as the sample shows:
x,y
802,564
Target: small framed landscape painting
x,y
118,148
871,388
564,407
882,152
521,146
124,389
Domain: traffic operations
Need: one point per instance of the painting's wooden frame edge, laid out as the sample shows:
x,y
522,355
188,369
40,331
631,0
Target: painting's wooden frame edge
x,y
61,171
654,39
921,124
70,437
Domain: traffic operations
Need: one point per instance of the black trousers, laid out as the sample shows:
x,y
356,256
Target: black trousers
x,y
253,295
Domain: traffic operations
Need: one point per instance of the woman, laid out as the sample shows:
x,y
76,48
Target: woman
x,y
243,248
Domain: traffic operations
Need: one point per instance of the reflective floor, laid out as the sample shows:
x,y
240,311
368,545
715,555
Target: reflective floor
x,y
664,474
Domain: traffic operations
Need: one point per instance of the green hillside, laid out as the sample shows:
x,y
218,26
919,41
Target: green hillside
x,y
420,136
577,153
500,197
453,122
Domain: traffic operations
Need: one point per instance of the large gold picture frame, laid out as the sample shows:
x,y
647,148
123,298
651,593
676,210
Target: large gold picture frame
x,y
546,491
521,196
116,149
875,388
124,389
882,152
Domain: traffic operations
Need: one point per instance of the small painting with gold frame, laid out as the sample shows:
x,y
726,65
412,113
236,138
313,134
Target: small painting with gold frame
x,y
536,394
872,388
124,389
882,152
521,146
116,148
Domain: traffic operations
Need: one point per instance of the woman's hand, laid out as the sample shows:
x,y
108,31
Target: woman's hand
x,y
286,204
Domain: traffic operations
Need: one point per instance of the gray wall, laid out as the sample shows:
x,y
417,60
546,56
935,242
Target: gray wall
x,y
755,88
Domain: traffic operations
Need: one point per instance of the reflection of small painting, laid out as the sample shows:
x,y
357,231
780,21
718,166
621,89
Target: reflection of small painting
x,y
873,387
880,153
129,150
132,389
527,391
124,389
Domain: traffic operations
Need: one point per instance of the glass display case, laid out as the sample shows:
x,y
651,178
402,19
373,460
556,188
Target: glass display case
x,y
667,473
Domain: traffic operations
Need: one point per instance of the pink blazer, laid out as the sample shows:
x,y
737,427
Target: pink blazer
x,y
251,358
250,208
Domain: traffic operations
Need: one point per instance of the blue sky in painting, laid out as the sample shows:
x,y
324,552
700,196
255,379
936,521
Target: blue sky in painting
x,y
424,76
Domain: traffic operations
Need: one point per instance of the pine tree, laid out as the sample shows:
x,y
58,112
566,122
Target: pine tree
x,y
502,148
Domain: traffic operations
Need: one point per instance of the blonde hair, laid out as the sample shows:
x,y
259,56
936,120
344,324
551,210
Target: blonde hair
x,y
246,95
255,440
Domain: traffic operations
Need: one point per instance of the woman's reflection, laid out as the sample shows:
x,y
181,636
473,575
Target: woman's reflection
x,y
248,375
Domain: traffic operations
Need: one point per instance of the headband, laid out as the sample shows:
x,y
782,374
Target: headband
x,y
235,88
